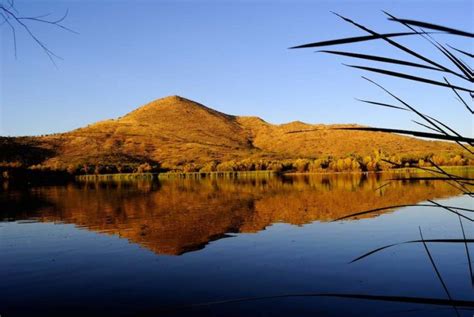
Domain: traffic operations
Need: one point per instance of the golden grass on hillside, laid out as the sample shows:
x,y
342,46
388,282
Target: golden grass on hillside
x,y
178,134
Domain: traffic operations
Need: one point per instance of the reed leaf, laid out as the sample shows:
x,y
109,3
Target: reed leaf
x,y
394,207
453,241
353,39
414,133
433,27
381,59
409,77
401,47
462,52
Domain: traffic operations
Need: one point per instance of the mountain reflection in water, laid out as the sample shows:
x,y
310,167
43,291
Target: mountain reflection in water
x,y
177,216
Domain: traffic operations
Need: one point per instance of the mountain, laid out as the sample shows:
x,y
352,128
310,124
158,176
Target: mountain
x,y
175,131
172,129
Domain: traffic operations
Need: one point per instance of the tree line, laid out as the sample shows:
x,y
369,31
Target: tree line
x,y
377,161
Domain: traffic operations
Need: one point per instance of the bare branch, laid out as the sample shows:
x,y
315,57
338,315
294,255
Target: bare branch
x,y
10,14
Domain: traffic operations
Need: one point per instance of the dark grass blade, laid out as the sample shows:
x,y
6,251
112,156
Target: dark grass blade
x,y
462,52
459,96
409,77
467,253
460,188
434,122
443,125
408,132
464,180
382,104
451,210
425,126
454,132
385,298
441,48
401,47
353,39
419,123
378,250
433,27
454,178
424,117
467,65
365,212
456,61
447,179
437,271
381,59
418,167
383,185
462,66
408,107
454,241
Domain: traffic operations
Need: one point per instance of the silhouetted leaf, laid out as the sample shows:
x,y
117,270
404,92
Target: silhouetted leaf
x,y
411,242
382,104
353,39
433,27
401,47
409,77
365,212
386,298
381,59
459,96
415,133
467,253
462,52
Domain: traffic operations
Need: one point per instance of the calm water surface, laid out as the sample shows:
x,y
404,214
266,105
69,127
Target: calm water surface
x,y
184,247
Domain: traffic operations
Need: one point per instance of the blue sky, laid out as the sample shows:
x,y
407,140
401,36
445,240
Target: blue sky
x,y
229,55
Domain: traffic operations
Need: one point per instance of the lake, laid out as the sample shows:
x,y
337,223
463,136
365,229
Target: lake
x,y
270,246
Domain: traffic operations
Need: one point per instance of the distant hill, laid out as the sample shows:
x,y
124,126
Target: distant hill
x,y
175,131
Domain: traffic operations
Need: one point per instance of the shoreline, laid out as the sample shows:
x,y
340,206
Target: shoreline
x,y
243,174
393,170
